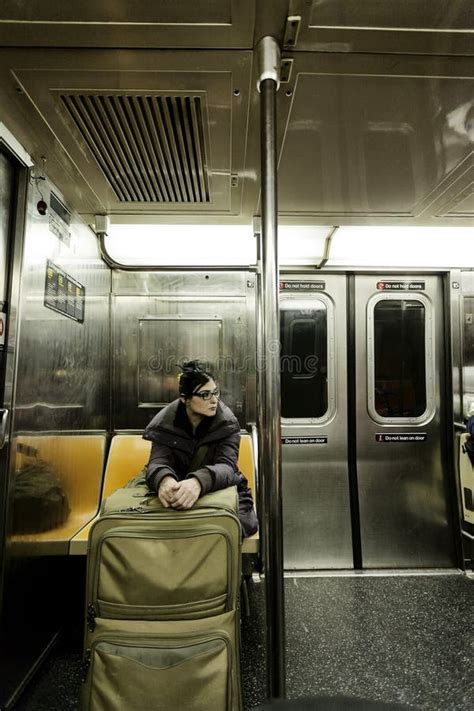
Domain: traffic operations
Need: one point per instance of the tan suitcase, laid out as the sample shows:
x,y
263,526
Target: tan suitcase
x,y
190,665
162,605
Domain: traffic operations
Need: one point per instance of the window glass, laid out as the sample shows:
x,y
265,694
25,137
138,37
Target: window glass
x,y
399,358
303,335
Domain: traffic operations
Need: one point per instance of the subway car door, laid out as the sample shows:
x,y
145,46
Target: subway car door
x,y
316,501
20,645
398,417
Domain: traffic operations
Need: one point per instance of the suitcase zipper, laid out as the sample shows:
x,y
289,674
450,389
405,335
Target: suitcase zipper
x,y
91,615
86,662
144,507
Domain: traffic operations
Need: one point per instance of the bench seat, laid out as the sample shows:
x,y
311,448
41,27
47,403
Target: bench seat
x,y
127,456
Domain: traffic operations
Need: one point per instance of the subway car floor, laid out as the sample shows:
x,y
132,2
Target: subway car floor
x,y
394,638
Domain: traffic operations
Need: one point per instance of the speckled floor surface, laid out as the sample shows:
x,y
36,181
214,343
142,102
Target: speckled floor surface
x,y
405,639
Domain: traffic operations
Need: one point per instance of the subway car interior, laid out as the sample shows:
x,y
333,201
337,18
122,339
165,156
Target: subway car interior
x,y
282,189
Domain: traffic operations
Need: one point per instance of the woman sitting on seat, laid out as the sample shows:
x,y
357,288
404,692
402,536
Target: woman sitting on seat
x,y
195,447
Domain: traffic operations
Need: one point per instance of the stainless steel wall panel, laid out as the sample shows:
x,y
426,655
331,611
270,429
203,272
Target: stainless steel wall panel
x,y
316,506
63,365
467,282
179,283
63,382
183,338
403,486
316,510
180,316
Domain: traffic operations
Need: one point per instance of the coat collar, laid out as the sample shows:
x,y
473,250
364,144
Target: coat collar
x,y
223,423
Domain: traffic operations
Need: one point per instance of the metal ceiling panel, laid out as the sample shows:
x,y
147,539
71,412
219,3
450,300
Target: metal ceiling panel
x,y
370,139
147,131
129,23
404,27
364,138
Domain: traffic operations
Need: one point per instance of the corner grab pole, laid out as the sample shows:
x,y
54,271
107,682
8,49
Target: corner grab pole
x,y
269,65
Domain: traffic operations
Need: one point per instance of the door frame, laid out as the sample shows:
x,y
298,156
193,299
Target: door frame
x,y
13,285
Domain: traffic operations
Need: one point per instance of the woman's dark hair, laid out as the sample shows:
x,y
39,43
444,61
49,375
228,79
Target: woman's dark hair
x,y
193,376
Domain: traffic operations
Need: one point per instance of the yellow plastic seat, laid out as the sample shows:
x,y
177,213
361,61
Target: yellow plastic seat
x,y
78,462
245,464
128,454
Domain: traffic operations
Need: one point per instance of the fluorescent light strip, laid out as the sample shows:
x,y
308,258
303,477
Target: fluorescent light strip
x,y
228,245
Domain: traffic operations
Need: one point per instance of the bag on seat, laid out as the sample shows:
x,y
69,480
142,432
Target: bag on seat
x,y
39,500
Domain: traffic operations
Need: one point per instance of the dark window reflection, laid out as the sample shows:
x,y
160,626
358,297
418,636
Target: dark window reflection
x,y
399,353
303,335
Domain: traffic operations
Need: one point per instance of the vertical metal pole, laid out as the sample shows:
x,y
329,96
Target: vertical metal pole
x,y
269,62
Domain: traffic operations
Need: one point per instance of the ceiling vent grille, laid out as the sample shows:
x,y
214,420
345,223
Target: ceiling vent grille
x,y
150,148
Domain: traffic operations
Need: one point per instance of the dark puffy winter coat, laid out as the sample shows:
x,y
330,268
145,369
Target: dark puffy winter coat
x,y
174,446
469,445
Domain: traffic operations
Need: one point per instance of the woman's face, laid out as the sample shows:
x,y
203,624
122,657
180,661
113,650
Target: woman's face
x,y
198,406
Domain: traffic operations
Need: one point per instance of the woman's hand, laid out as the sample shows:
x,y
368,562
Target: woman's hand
x,y
186,493
166,490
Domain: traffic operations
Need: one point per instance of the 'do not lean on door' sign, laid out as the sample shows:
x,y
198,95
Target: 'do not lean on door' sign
x,y
322,439
401,437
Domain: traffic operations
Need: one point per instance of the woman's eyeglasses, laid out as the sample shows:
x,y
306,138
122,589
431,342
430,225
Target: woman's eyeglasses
x,y
207,394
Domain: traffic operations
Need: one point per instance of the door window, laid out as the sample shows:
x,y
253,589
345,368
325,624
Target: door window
x,y
304,359
399,358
